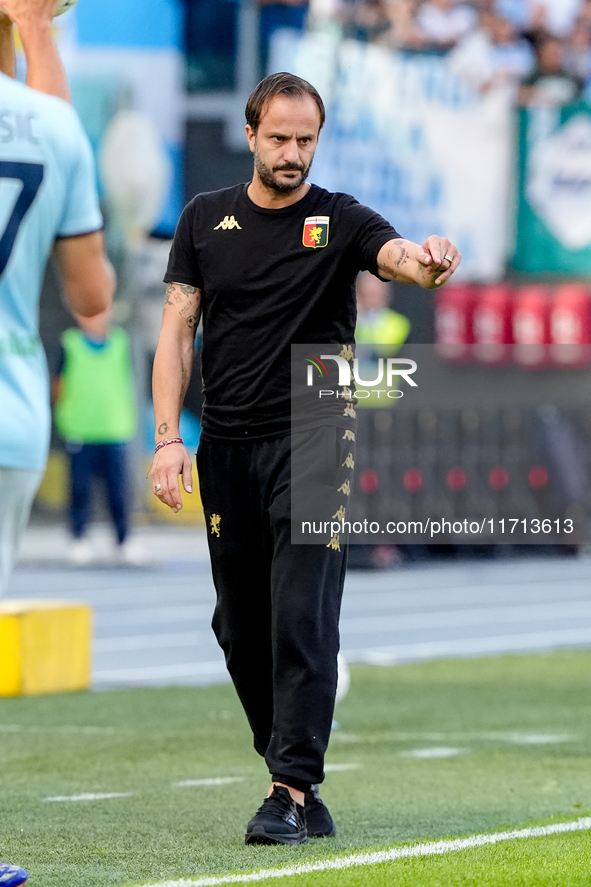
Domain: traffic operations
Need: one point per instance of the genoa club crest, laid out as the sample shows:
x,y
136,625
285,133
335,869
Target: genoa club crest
x,y
316,231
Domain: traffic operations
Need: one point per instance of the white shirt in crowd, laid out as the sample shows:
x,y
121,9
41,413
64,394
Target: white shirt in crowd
x,y
445,26
560,14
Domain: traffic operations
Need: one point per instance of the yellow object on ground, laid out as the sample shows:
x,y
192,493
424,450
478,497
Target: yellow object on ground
x,y
44,647
53,491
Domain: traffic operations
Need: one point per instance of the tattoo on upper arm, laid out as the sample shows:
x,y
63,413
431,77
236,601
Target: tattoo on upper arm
x,y
188,300
162,429
172,293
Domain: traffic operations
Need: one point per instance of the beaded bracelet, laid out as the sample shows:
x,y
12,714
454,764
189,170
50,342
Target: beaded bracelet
x,y
165,443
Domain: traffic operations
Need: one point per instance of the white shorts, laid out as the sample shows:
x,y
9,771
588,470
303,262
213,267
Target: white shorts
x,y
17,491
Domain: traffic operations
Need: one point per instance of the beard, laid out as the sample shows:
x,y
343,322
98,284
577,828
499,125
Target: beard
x,y
270,180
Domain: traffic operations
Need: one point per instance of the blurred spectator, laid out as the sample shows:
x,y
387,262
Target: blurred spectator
x,y
403,32
577,50
515,10
364,19
95,414
442,23
550,85
493,54
554,16
585,11
320,12
276,14
377,323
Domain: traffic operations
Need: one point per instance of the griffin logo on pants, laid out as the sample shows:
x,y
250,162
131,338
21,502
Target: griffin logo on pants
x,y
214,522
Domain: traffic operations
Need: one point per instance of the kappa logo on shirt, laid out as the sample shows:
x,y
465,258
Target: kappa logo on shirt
x,y
316,231
227,223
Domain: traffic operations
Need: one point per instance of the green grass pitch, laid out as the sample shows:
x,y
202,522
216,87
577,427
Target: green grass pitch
x,y
424,752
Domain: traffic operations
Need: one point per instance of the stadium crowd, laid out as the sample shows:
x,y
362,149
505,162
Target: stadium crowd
x,y
542,48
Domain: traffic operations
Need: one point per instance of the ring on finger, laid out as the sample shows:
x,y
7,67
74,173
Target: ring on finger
x,y
448,258
157,488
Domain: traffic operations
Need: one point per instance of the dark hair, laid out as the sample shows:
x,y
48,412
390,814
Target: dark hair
x,y
542,37
280,84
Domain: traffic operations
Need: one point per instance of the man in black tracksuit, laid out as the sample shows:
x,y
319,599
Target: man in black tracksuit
x,y
267,265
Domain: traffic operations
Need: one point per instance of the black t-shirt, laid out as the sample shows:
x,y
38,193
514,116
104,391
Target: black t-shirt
x,y
269,278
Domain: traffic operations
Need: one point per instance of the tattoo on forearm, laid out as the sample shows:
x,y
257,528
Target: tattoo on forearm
x,y
162,429
185,378
399,256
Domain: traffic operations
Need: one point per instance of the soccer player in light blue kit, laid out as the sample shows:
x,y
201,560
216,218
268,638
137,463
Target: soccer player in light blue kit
x,y
48,202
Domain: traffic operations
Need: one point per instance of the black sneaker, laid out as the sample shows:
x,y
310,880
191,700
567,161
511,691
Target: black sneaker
x,y
319,822
279,820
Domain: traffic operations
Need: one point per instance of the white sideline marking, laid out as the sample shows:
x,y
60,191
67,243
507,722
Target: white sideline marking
x,y
475,646
536,738
437,752
91,797
162,672
404,736
181,613
62,728
127,643
221,780
341,768
436,848
551,612
346,738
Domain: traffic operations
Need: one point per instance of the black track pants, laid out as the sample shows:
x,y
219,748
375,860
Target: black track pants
x,y
278,604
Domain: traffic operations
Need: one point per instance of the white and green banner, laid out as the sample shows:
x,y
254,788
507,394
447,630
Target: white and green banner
x,y
554,214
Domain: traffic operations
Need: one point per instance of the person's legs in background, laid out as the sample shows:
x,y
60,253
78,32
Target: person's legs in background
x,y
81,458
112,465
112,468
